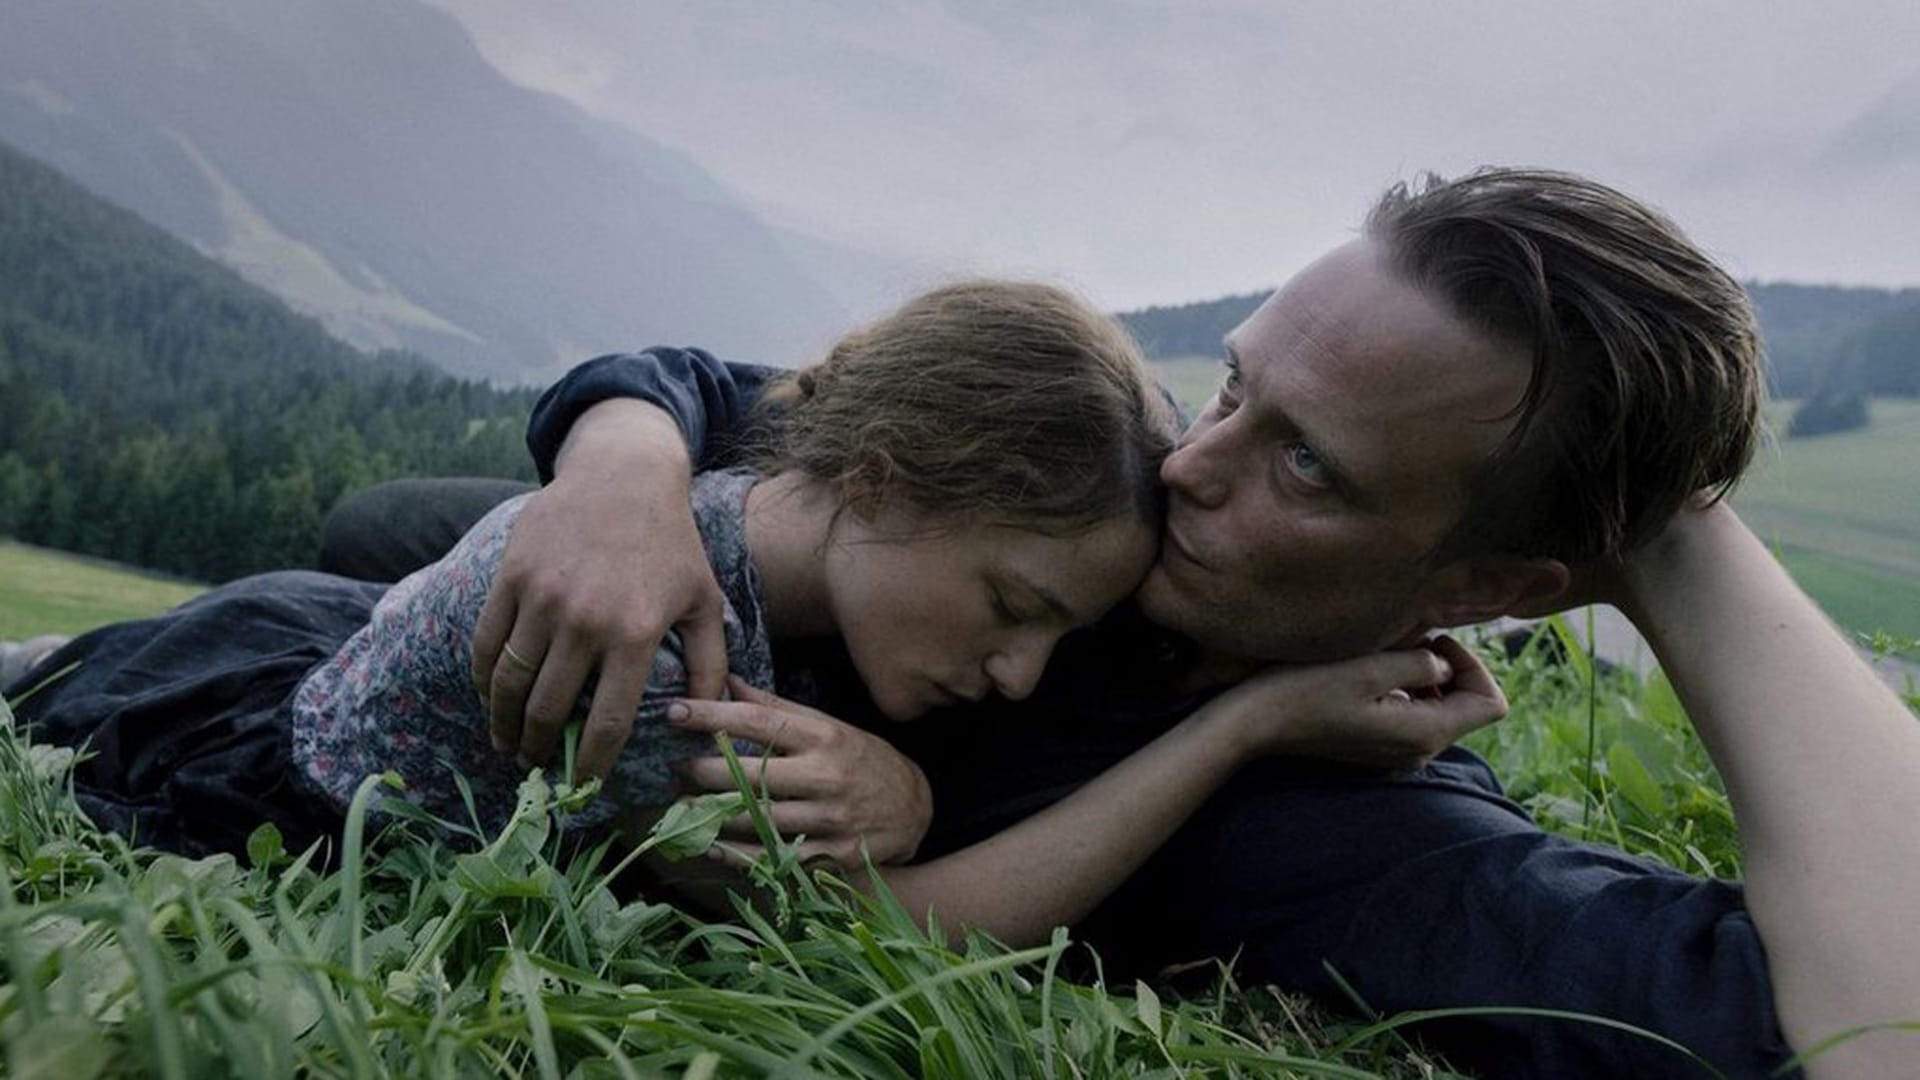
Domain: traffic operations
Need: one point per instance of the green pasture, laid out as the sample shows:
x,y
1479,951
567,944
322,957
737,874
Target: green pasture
x,y
50,592
1843,513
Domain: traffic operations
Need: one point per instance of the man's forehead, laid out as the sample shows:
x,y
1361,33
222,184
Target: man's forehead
x,y
1384,375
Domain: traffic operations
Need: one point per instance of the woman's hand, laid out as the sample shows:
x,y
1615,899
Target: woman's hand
x,y
601,563
829,780
1392,710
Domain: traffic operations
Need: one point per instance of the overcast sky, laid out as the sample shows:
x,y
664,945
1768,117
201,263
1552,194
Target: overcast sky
x,y
1162,152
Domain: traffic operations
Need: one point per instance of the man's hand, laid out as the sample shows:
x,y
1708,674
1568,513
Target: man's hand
x,y
1392,710
600,565
831,781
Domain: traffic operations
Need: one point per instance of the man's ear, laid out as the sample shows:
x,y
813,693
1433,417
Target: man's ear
x,y
1476,590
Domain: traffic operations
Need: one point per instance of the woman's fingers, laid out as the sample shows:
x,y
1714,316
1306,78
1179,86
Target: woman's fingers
x,y
781,778
756,715
1412,671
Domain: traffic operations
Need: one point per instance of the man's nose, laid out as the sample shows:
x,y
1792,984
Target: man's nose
x,y
1016,669
1193,469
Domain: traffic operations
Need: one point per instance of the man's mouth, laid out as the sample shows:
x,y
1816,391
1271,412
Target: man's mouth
x,y
1180,548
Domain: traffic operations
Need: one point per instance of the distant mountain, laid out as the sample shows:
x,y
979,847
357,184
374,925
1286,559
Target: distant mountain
x,y
1820,338
157,409
360,158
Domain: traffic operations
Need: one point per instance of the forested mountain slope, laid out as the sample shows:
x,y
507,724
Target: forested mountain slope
x,y
156,409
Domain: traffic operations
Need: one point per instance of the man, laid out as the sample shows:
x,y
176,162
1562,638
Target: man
x,y
1515,392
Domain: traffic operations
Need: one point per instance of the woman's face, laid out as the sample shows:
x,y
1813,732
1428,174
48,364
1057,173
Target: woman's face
x,y
934,614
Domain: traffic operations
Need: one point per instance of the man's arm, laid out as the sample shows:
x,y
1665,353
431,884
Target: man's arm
x,y
1822,764
611,441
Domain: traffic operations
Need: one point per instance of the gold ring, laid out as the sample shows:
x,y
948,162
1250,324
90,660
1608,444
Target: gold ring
x,y
517,660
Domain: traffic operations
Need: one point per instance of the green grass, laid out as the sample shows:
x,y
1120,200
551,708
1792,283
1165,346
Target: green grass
x,y
418,959
424,956
49,592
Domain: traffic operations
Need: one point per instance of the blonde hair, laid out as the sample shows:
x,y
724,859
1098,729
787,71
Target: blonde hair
x,y
1008,401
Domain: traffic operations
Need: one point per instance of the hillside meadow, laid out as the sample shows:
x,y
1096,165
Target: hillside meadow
x,y
44,592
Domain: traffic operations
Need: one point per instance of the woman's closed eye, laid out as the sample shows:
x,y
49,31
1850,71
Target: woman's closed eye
x,y
1003,612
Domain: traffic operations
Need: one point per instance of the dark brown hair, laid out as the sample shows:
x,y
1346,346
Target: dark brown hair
x,y
1647,383
1004,401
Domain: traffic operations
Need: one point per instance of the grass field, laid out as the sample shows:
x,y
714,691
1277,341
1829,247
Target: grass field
x,y
50,592
1843,512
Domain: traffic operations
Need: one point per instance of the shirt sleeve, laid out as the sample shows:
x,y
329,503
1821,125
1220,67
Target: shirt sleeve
x,y
710,399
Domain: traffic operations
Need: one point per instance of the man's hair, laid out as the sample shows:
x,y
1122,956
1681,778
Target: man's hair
x,y
1647,383
992,400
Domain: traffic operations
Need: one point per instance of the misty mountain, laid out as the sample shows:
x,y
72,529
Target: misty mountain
x,y
360,159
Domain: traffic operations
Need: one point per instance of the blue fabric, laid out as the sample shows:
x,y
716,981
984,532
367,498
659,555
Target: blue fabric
x,y
1422,890
706,397
184,716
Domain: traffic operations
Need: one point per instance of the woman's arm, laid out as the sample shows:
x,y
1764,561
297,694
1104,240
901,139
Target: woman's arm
x,y
1055,867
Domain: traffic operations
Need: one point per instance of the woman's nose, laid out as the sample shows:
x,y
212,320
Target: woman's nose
x,y
1016,669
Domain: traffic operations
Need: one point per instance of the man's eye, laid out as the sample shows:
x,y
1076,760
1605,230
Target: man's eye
x,y
1227,398
1305,464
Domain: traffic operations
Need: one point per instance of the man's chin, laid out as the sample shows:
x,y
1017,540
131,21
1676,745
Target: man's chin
x,y
1169,605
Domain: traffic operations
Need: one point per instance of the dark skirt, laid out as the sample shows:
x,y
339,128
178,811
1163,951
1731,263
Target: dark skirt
x,y
184,718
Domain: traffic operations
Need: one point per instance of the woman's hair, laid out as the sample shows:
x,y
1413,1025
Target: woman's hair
x,y
1004,401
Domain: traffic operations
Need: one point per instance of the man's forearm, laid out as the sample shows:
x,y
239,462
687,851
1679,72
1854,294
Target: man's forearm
x,y
617,433
1822,764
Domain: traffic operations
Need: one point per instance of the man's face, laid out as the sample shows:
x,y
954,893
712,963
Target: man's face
x,y
1339,450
